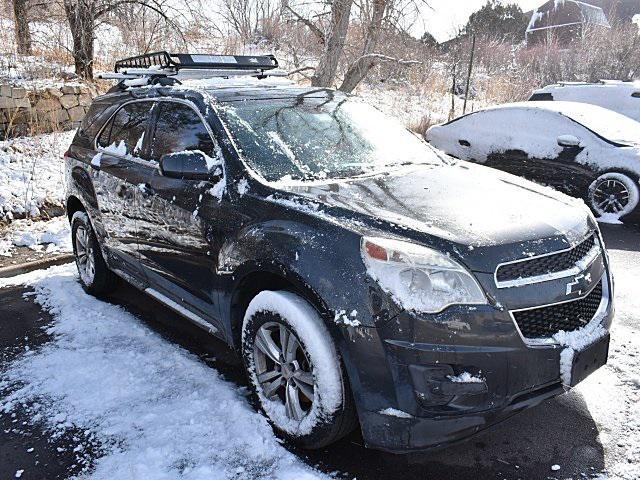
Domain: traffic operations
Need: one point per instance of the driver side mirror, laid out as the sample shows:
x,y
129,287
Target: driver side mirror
x,y
568,141
188,165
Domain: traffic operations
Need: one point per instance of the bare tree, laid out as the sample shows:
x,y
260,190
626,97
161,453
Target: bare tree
x,y
21,19
375,16
251,19
334,40
85,15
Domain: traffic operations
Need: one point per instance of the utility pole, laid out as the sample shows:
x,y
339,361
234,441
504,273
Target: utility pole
x,y
466,91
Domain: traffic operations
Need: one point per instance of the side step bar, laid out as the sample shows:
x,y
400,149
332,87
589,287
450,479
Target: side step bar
x,y
188,314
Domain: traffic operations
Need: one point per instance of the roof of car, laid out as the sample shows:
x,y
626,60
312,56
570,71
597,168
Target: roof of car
x,y
608,84
564,108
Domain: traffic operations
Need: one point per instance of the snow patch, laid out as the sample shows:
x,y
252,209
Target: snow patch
x,y
52,236
392,412
573,342
32,173
243,186
465,377
156,410
341,317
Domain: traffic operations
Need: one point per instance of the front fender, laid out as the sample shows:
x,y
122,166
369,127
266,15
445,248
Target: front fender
x,y
325,261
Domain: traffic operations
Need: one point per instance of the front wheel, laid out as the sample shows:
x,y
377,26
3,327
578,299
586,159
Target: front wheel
x,y
295,371
613,195
95,276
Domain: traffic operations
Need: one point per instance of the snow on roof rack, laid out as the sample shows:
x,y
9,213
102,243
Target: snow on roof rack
x,y
156,67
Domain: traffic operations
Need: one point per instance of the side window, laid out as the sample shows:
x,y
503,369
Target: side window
x,y
128,126
179,128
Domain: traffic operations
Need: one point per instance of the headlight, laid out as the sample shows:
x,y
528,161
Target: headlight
x,y
419,278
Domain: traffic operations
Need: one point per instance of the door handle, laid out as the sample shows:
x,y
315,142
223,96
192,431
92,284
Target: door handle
x,y
464,143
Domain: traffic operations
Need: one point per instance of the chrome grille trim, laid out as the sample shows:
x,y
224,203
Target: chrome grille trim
x,y
578,267
597,318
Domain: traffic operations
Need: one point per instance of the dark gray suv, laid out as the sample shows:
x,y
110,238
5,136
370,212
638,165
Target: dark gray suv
x,y
365,279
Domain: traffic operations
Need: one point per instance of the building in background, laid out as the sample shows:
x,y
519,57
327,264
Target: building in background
x,y
563,21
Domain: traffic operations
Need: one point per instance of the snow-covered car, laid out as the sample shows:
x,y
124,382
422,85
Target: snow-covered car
x,y
621,97
583,150
364,278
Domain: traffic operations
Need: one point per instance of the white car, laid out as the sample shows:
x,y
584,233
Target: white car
x,y
584,150
621,97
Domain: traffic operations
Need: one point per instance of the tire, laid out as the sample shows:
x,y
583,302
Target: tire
x,y
304,391
613,195
95,276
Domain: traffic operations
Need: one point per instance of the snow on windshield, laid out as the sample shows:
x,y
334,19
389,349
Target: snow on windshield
x,y
315,137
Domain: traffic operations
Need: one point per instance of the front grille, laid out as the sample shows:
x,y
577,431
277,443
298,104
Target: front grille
x,y
544,322
556,262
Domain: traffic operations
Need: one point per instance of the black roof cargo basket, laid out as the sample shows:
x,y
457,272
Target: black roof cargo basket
x,y
164,61
164,68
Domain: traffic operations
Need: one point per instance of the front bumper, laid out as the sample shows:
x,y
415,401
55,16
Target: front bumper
x,y
405,398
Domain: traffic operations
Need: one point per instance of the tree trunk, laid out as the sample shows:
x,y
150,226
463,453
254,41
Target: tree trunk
x,y
359,69
81,18
334,44
23,35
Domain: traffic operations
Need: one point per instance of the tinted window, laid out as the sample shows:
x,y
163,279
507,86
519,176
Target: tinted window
x,y
90,123
179,128
538,97
128,126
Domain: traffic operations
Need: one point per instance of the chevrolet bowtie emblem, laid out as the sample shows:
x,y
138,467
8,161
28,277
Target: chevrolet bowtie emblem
x,y
579,284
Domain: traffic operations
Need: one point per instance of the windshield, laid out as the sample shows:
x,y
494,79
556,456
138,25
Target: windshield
x,y
310,138
608,124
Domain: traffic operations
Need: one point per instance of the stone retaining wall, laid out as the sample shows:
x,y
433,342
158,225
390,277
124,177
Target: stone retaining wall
x,y
45,109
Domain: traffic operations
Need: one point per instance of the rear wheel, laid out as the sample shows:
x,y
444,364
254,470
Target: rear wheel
x,y
95,276
295,371
613,194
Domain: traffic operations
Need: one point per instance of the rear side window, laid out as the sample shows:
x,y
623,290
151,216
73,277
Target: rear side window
x,y
128,126
179,128
90,123
539,97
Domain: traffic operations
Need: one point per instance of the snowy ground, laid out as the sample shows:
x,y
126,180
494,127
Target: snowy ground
x,y
50,236
134,404
32,174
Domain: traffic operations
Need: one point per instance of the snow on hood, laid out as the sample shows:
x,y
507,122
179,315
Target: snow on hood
x,y
465,203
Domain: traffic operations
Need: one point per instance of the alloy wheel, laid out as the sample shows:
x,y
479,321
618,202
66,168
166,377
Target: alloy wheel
x,y
610,196
84,255
283,369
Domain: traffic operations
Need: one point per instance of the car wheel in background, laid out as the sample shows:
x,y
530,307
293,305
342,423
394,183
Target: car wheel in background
x,y
613,194
95,276
294,370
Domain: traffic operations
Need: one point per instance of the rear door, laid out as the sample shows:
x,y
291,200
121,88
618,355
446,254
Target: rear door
x,y
119,168
177,245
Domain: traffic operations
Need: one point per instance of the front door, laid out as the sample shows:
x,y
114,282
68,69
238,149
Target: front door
x,y
118,169
176,245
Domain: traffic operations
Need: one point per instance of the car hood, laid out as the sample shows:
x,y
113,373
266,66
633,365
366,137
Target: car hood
x,y
469,205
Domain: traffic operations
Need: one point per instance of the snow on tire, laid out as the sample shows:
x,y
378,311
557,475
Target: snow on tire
x,y
294,370
613,195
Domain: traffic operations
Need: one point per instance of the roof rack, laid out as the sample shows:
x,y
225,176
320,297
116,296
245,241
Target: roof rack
x,y
179,61
156,67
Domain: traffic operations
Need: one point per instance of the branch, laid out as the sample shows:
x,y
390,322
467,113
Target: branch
x,y
299,70
318,33
385,58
